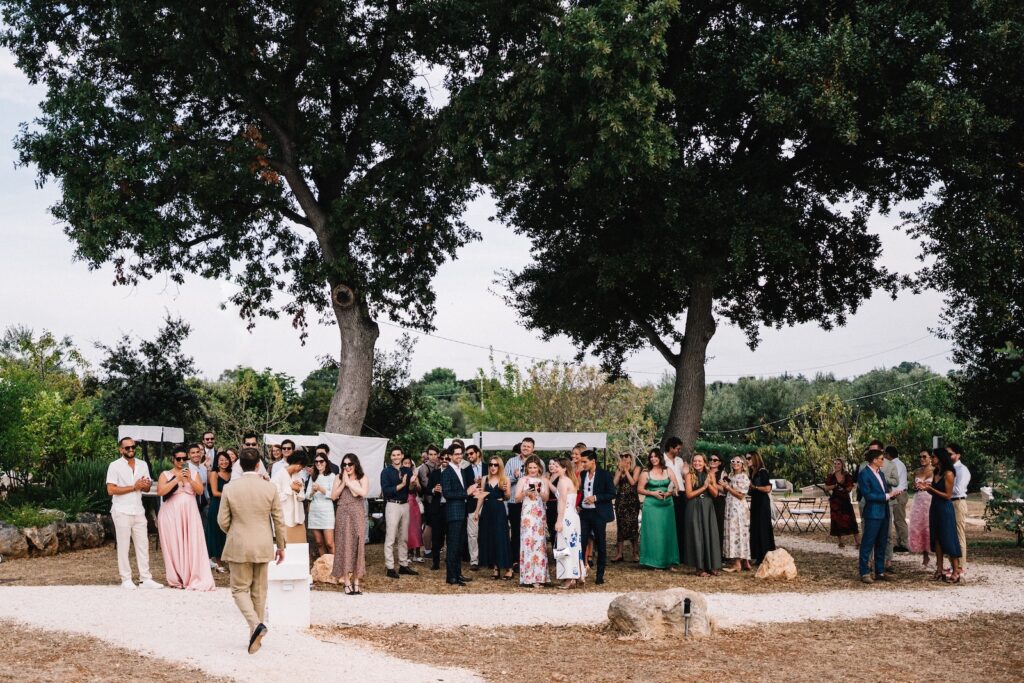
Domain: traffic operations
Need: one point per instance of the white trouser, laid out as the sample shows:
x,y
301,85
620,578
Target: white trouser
x,y
132,529
396,520
473,532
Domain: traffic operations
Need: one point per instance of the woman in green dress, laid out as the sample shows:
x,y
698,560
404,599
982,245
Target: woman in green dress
x,y
658,547
703,549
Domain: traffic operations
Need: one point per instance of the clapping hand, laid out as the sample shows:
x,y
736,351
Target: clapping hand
x,y
296,486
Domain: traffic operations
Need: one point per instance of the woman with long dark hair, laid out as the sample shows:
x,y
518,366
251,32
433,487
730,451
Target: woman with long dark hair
x,y
319,488
658,547
942,516
842,521
219,478
920,510
350,490
762,536
627,506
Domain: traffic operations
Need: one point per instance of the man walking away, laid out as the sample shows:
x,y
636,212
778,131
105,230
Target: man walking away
x,y
247,508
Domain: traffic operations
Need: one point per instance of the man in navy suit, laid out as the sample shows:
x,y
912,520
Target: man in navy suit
x,y
874,491
455,493
596,509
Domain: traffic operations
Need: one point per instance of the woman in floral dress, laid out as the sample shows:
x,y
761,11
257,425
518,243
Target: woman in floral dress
x,y
842,521
736,545
532,491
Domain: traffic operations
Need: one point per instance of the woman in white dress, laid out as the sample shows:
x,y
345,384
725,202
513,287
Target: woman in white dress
x,y
571,570
321,507
737,518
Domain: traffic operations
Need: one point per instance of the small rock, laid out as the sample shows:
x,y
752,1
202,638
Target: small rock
x,y
13,543
660,614
777,564
321,570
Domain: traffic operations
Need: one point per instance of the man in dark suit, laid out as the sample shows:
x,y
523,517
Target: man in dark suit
x,y
874,491
455,493
596,510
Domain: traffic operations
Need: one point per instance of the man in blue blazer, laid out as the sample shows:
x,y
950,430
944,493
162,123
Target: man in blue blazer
x,y
874,490
596,509
455,492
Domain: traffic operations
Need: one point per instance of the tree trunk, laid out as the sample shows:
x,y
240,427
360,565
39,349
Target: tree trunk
x,y
688,394
355,372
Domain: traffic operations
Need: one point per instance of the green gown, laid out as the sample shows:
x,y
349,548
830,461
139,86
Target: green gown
x,y
658,547
703,546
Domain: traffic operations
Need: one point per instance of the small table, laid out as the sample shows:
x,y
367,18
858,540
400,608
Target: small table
x,y
791,511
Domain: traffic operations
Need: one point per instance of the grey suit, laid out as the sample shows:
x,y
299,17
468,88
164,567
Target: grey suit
x,y
247,507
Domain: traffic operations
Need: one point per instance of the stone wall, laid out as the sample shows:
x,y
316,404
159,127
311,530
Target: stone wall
x,y
87,531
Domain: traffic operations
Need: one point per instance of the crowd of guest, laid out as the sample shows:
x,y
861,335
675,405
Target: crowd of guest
x,y
539,523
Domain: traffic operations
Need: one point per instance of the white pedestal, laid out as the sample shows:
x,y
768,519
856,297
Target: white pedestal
x,y
288,591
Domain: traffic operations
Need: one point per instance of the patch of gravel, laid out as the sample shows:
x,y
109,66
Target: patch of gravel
x,y
152,622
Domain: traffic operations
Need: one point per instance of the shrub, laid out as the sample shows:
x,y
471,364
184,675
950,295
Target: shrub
x,y
81,486
26,516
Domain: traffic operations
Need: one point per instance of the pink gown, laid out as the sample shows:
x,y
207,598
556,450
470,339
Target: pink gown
x,y
415,533
183,543
920,534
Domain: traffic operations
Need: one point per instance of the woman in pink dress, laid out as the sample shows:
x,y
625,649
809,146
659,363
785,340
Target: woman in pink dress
x,y
533,491
920,532
415,524
181,528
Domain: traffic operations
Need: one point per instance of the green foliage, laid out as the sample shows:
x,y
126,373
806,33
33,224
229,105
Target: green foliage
x,y
148,382
81,487
26,516
317,392
244,399
563,397
823,430
399,410
1006,509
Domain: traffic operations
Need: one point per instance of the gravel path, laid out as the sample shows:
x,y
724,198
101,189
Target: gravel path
x,y
158,620
160,623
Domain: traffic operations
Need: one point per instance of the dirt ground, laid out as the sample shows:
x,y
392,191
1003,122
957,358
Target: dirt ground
x,y
868,650
37,656
818,572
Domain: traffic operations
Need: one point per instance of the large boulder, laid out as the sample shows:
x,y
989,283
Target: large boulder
x,y
13,543
777,564
321,570
80,535
660,613
42,540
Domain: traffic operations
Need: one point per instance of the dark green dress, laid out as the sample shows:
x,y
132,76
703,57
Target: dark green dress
x,y
703,548
658,546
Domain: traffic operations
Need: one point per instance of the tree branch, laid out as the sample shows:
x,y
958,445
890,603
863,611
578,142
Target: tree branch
x,y
657,342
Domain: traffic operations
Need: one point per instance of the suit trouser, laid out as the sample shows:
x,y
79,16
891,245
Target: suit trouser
x,y
891,532
515,513
591,524
396,525
679,510
899,519
132,529
453,557
438,529
473,535
960,508
249,589
876,537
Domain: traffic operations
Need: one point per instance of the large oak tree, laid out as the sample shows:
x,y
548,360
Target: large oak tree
x,y
291,147
677,164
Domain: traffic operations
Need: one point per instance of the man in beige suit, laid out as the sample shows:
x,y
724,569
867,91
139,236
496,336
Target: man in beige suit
x,y
246,509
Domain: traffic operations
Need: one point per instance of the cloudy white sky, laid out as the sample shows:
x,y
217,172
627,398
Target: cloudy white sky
x,y
43,287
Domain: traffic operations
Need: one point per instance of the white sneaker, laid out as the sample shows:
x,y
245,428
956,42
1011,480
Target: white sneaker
x,y
213,565
128,585
151,584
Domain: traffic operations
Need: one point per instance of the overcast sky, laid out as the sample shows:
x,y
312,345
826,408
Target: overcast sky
x,y
43,287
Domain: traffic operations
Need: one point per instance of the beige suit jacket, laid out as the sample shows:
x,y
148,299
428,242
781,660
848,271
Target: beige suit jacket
x,y
247,506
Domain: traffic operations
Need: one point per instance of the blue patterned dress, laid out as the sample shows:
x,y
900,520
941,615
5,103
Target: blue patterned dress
x,y
568,546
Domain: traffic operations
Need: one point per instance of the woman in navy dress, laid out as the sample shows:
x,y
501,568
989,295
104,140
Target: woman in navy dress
x,y
942,517
495,547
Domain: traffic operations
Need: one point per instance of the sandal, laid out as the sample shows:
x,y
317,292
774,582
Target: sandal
x,y
508,577
938,575
348,589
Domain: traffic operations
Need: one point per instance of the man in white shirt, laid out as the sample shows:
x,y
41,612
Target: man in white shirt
x,y
961,479
127,478
674,461
249,440
898,503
